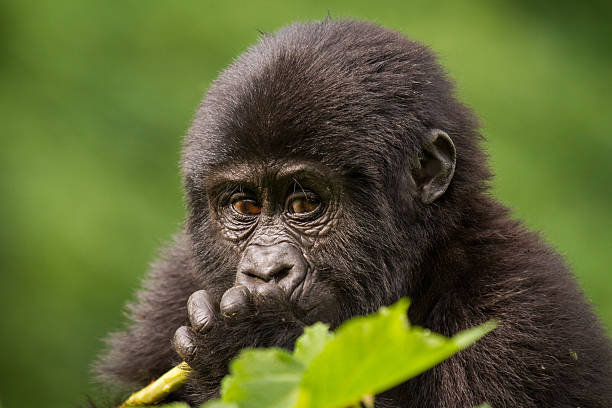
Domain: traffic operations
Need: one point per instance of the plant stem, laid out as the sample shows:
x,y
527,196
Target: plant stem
x,y
160,388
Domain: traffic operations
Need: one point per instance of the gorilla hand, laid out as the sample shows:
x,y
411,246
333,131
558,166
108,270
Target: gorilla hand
x,y
219,330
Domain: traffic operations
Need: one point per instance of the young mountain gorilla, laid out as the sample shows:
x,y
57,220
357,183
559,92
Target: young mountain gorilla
x,y
329,171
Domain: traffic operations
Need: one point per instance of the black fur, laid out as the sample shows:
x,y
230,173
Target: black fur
x,y
359,99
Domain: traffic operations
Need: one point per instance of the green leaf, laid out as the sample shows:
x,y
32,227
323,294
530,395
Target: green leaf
x,y
263,378
371,354
311,343
366,355
466,338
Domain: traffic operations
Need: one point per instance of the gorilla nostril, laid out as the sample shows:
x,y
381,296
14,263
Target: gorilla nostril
x,y
251,274
282,273
275,273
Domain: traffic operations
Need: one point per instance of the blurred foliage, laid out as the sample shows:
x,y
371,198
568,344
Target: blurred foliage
x,y
95,98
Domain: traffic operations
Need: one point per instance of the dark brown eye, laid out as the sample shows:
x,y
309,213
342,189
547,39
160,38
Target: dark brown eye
x,y
246,207
303,204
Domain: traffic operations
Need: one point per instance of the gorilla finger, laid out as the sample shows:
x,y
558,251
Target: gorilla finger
x,y
184,342
201,311
236,303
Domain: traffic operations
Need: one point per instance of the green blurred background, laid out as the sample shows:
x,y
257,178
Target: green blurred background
x,y
96,96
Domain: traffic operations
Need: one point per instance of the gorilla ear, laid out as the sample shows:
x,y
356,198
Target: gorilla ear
x,y
435,167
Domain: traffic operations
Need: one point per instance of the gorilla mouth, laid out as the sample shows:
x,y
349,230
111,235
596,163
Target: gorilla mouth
x,y
297,295
313,302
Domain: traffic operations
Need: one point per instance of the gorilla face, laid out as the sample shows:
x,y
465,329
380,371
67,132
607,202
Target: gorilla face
x,y
272,217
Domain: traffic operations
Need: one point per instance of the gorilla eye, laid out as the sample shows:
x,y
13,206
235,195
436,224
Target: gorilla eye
x,y
246,207
302,204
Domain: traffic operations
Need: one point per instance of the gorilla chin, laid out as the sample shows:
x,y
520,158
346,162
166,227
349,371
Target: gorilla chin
x,y
330,171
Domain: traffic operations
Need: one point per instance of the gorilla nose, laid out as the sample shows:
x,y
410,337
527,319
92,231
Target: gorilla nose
x,y
282,263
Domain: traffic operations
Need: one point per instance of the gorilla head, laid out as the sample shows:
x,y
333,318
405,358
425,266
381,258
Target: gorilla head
x,y
317,165
329,171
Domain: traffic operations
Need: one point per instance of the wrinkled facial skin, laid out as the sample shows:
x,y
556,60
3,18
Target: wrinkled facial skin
x,y
273,218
